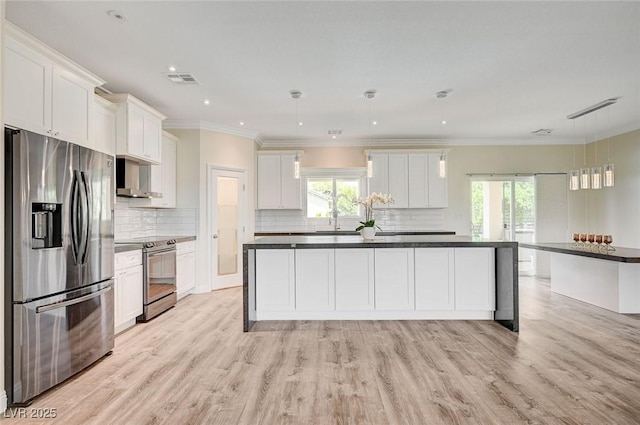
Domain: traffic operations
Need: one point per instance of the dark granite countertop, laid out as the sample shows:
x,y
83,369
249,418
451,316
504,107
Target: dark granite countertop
x,y
127,247
353,232
622,255
353,241
136,243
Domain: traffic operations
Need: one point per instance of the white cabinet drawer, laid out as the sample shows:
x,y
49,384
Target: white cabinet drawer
x,y
128,259
185,247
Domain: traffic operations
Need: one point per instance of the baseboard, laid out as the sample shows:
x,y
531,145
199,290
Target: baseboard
x,y
3,400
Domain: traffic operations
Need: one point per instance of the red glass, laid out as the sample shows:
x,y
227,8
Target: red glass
x,y
583,237
576,237
591,238
598,238
607,239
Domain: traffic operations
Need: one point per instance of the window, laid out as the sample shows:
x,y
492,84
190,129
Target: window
x,y
325,192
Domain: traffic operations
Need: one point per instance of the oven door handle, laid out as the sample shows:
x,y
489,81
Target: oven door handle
x,y
55,306
164,251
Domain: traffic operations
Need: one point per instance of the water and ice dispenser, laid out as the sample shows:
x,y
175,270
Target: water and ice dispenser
x,y
46,225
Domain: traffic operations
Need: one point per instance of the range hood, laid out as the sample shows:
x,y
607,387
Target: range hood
x,y
128,180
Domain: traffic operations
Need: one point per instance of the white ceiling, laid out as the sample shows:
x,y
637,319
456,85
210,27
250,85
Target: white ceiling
x,y
514,67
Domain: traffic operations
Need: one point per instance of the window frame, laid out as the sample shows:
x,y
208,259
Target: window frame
x,y
359,173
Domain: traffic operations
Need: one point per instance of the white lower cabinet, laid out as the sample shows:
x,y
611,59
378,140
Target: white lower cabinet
x,y
354,279
370,284
315,280
127,289
474,279
434,277
394,279
275,280
185,268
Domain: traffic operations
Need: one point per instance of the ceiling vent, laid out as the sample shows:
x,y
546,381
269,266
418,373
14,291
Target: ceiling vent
x,y
542,132
181,78
334,132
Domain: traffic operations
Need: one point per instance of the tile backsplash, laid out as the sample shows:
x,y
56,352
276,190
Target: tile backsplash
x,y
388,219
131,222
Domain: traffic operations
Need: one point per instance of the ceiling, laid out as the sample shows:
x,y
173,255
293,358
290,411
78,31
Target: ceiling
x,y
513,67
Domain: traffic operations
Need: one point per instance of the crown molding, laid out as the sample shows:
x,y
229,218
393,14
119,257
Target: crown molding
x,y
538,140
210,126
27,40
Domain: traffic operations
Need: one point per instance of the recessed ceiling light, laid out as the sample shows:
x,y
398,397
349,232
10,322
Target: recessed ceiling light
x,y
375,123
116,16
443,122
300,123
206,101
172,68
241,122
333,137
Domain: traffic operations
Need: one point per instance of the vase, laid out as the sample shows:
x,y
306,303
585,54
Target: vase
x,y
368,232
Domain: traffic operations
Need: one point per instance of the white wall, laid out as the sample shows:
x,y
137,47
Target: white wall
x,y
615,210
197,149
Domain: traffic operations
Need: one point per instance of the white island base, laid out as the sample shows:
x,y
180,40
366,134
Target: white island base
x,y
608,284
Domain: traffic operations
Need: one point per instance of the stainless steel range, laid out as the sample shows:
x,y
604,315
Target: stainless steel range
x,y
159,275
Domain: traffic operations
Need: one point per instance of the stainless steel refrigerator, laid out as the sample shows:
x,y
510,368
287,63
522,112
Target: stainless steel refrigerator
x,y
59,261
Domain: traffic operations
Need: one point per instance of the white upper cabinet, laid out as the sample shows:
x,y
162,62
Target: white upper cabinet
x,y
426,188
277,186
104,126
45,92
438,186
379,181
399,180
390,176
410,177
160,178
139,129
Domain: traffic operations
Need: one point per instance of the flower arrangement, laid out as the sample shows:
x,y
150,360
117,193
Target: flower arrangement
x,y
368,203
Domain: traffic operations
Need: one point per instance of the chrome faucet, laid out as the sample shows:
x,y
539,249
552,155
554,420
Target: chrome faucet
x,y
334,213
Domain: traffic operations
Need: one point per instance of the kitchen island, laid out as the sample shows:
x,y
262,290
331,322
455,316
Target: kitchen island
x,y
607,279
402,277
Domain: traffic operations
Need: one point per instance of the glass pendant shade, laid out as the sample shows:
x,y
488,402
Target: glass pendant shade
x,y
369,166
596,177
608,175
574,180
296,167
442,173
585,178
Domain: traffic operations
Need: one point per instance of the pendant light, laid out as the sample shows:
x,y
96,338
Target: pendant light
x,y
442,166
585,173
596,172
574,175
608,167
442,163
370,94
295,95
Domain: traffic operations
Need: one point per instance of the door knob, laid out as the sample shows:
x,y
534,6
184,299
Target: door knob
x,y
215,236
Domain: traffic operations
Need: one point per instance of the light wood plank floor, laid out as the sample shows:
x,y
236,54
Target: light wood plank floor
x,y
571,363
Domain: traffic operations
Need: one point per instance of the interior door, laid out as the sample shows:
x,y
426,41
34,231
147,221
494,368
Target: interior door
x,y
226,195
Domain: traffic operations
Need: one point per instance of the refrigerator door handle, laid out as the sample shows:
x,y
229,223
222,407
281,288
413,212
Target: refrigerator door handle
x,y
55,306
75,228
87,212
